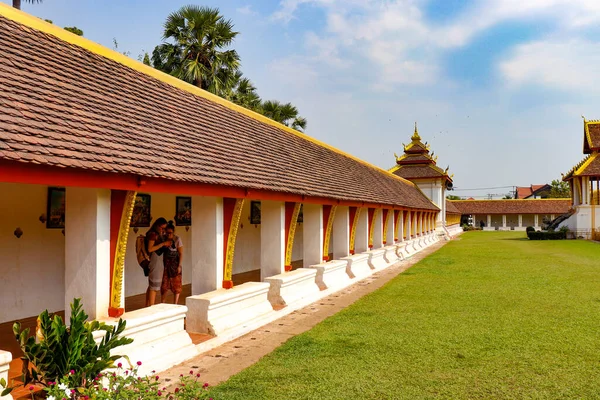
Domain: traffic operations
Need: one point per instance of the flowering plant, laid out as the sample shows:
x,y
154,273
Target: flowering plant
x,y
124,383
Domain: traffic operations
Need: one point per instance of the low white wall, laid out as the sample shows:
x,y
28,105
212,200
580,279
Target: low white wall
x,y
32,267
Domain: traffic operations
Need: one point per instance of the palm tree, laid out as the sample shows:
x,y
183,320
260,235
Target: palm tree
x,y
286,114
244,93
193,49
17,3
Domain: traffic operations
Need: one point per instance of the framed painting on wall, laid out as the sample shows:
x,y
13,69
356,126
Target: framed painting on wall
x,y
141,216
255,212
183,211
55,208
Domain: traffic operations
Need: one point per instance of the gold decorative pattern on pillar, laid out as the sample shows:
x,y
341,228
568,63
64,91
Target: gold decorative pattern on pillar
x,y
385,225
291,234
233,230
373,219
353,230
121,248
397,226
328,230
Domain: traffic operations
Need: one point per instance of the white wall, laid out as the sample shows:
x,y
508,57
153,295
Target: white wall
x,y
247,246
162,205
32,267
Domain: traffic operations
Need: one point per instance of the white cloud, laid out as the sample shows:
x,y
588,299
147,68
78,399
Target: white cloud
x,y
246,10
395,41
570,65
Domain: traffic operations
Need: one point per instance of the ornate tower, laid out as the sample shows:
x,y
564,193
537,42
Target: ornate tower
x,y
419,166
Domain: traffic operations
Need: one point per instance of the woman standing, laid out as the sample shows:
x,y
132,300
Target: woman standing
x,y
154,239
173,259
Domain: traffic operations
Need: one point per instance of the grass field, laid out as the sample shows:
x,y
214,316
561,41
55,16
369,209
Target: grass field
x,y
490,315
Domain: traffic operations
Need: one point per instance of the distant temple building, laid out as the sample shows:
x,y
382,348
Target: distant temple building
x,y
584,180
419,166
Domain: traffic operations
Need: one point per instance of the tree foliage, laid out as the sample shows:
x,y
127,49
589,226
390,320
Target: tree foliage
x,y
17,3
559,189
74,29
197,49
453,197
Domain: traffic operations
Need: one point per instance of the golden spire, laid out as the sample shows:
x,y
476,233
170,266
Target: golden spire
x,y
415,135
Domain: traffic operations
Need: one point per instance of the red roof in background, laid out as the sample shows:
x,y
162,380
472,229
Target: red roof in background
x,y
523,192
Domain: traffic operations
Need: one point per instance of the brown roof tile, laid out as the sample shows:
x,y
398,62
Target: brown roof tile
x,y
451,208
63,105
591,136
530,206
419,171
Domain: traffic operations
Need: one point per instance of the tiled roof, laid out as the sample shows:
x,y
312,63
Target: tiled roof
x,y
451,208
523,192
591,136
63,105
530,206
589,166
419,171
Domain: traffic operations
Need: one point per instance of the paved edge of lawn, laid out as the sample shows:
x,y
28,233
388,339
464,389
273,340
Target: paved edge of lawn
x,y
219,364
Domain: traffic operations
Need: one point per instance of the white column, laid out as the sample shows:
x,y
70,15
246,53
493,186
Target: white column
x,y
520,220
378,229
207,244
475,220
504,221
313,234
408,216
552,217
535,220
272,238
361,238
489,220
391,227
87,250
341,233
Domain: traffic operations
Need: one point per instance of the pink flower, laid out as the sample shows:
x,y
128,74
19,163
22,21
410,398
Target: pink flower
x,y
191,372
139,363
31,388
176,390
159,393
205,385
119,365
198,375
157,377
181,375
72,372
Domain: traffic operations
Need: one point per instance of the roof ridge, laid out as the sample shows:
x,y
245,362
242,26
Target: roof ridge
x,y
38,24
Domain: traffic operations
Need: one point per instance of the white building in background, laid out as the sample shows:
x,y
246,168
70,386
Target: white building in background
x,y
584,180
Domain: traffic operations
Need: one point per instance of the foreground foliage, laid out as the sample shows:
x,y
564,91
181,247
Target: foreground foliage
x,y
69,351
491,315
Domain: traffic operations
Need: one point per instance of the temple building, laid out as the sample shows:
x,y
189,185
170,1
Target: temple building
x,y
95,146
532,191
584,180
419,166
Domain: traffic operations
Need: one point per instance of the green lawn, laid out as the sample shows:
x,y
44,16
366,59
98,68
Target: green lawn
x,y
490,315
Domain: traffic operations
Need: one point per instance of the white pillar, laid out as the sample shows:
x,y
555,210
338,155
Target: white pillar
x,y
361,238
520,220
535,220
272,238
391,228
475,220
408,216
341,233
552,217
504,221
489,220
313,234
87,251
206,243
378,229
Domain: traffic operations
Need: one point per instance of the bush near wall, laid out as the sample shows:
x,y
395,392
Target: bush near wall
x,y
547,235
470,228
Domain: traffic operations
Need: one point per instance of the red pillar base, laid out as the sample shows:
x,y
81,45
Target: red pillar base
x,y
370,246
227,284
395,239
288,268
351,252
325,258
115,312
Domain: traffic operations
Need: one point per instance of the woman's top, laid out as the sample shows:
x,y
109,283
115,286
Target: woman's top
x,y
171,257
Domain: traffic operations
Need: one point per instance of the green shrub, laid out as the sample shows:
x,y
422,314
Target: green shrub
x,y
69,350
530,229
546,235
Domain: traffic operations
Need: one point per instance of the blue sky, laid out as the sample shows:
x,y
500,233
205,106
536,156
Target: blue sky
x,y
498,87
